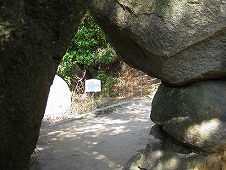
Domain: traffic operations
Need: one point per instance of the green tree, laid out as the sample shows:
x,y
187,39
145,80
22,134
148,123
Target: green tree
x,y
88,50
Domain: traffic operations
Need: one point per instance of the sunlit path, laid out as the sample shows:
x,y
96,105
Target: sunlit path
x,y
104,142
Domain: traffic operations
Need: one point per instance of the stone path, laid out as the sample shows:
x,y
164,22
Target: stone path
x,y
102,142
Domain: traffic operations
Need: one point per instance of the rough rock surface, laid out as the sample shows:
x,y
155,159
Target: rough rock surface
x,y
34,36
164,153
194,114
175,41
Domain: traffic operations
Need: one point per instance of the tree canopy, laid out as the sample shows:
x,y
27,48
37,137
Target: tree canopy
x,y
89,51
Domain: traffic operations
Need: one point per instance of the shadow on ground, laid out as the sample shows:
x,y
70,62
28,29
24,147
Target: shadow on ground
x,y
104,142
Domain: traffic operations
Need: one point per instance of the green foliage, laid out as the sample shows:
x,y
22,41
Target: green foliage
x,y
88,50
89,45
108,81
67,68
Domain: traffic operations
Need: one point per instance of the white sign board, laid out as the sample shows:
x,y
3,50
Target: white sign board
x,y
92,85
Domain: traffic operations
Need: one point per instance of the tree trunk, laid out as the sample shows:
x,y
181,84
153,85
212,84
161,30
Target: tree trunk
x,y
88,74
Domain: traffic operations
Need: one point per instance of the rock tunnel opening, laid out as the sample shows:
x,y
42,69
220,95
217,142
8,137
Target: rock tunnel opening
x,y
74,46
91,55
177,41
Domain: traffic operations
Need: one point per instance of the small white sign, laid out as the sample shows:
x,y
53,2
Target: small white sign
x,y
92,85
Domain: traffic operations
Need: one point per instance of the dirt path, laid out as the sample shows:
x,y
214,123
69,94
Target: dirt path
x,y
105,142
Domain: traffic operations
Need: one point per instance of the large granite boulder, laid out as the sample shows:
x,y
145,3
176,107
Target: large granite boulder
x,y
190,130
34,37
194,114
165,153
175,41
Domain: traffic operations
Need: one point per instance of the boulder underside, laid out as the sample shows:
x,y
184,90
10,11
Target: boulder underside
x,y
176,41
